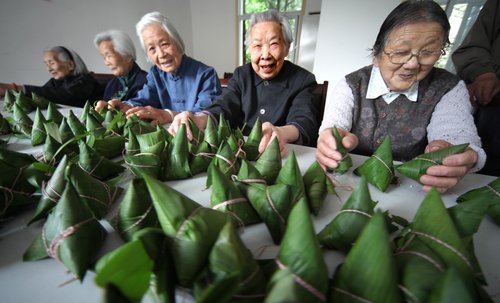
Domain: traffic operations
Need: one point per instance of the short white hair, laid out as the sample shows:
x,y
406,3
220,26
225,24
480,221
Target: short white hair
x,y
157,18
271,15
122,43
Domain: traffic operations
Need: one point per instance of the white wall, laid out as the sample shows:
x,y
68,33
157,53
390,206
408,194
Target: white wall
x,y
27,27
347,29
214,33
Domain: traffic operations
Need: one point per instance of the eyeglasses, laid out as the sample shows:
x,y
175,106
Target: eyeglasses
x,y
424,57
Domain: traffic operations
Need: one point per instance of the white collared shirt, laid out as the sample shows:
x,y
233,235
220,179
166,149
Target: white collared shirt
x,y
377,88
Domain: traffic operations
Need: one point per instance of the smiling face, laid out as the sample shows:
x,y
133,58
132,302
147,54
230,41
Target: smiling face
x,y
267,49
56,67
161,49
118,64
416,38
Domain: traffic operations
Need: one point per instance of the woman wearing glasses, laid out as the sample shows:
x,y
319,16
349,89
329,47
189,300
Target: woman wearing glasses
x,y
402,95
71,82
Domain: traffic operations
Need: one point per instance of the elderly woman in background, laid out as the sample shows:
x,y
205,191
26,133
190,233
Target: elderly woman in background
x,y
271,88
118,52
175,83
71,82
422,108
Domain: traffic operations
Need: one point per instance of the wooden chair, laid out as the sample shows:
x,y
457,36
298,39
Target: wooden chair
x,y
225,79
102,79
321,90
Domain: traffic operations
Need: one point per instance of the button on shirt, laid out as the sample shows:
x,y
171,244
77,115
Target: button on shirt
x,y
193,87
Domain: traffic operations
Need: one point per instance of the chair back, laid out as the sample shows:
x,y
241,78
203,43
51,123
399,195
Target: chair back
x,y
320,91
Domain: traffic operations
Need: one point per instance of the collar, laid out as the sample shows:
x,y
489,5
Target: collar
x,y
377,88
180,71
129,78
281,78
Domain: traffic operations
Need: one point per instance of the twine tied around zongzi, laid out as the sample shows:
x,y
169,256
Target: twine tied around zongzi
x,y
349,294
56,242
355,211
108,191
91,172
423,256
47,194
248,181
427,160
229,162
385,164
139,221
184,224
270,200
493,190
230,202
446,245
247,280
315,292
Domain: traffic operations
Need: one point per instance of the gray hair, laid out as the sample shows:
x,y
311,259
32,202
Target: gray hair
x,y
157,18
122,43
65,54
271,15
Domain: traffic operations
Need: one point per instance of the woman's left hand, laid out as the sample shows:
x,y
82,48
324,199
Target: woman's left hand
x,y
453,169
156,115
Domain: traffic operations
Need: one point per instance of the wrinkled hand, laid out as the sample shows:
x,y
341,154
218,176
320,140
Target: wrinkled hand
x,y
326,151
183,118
156,115
453,169
112,104
269,132
484,88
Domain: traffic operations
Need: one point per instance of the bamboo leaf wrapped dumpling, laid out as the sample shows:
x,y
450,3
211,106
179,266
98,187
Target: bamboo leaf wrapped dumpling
x,y
379,168
416,167
193,228
136,211
226,197
71,235
488,195
290,174
38,133
442,238
251,146
373,249
269,162
96,165
346,162
317,186
230,258
341,233
176,164
307,266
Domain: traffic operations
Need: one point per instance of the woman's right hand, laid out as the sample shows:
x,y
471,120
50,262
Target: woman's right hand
x,y
326,150
112,104
183,117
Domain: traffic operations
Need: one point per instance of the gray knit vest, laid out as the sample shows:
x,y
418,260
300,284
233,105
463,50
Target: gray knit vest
x,y
403,120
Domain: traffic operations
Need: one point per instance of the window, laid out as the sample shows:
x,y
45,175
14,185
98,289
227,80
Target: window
x,y
462,15
291,9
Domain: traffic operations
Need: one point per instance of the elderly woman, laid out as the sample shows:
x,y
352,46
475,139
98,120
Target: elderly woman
x,y
277,91
118,52
71,83
176,82
421,107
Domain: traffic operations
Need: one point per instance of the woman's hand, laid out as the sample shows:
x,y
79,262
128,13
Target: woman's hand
x,y
183,118
112,104
453,169
157,116
285,134
326,151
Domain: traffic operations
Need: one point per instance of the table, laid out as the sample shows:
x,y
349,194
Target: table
x,y
41,280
